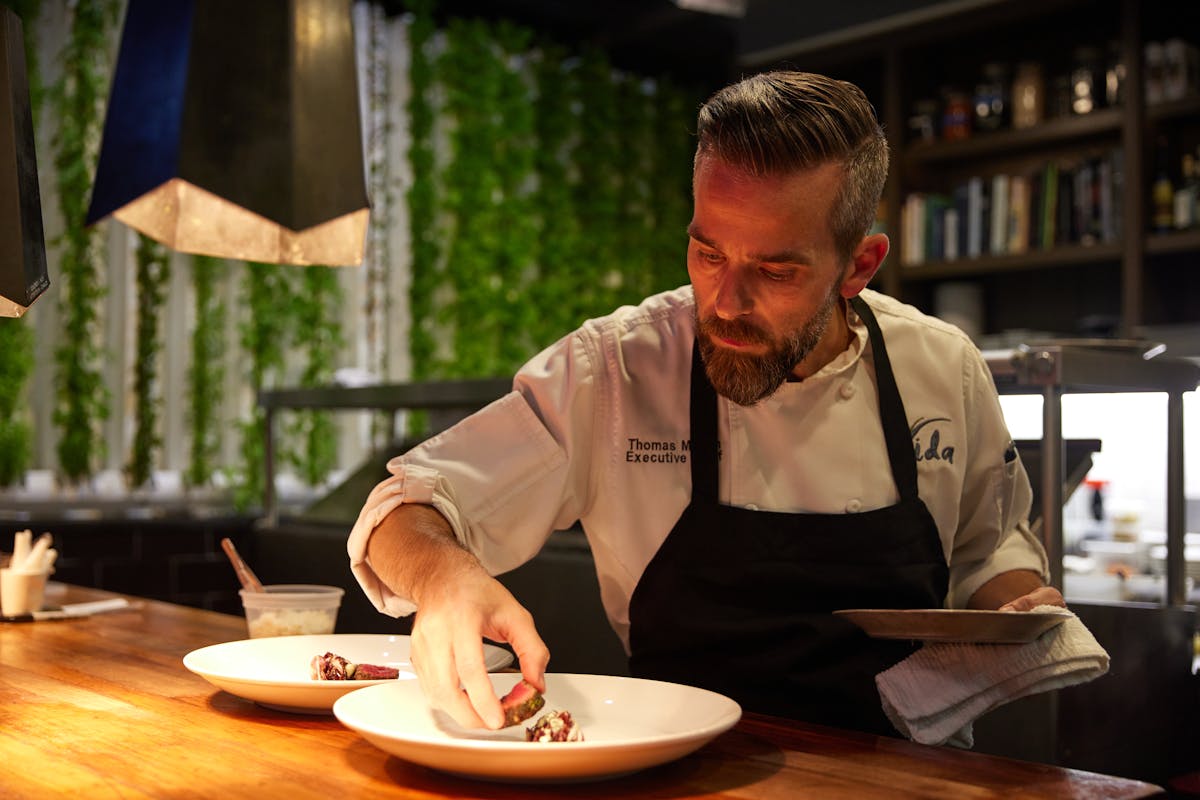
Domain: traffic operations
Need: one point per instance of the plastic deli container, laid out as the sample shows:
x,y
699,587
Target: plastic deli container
x,y
291,609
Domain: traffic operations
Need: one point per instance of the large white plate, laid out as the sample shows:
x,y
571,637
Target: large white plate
x,y
275,671
954,625
628,724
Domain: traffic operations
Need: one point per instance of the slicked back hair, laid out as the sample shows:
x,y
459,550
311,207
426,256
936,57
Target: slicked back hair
x,y
782,122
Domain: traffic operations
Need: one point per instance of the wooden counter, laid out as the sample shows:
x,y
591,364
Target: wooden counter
x,y
102,707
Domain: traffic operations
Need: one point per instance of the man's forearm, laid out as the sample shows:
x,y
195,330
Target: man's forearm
x,y
413,551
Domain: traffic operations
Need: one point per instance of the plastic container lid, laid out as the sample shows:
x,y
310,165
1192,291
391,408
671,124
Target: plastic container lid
x,y
293,595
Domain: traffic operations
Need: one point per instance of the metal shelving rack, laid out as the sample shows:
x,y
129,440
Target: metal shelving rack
x,y
1053,370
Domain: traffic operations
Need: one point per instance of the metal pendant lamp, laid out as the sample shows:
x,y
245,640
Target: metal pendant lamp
x,y
233,130
23,274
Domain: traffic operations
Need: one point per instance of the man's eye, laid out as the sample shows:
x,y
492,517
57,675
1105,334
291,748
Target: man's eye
x,y
776,275
710,256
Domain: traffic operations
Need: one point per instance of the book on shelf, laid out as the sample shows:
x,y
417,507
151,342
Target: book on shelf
x,y
1058,203
1047,209
977,216
998,240
1018,215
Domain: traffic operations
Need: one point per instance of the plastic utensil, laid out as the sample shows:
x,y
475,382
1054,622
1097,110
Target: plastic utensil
x,y
250,581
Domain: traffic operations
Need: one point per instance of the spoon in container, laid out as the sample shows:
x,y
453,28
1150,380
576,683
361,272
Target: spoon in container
x,y
250,581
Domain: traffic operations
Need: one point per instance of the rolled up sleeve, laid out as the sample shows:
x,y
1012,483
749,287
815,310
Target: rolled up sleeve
x,y
994,534
407,484
501,478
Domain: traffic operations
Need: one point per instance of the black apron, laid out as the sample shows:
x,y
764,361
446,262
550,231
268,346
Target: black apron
x,y
739,601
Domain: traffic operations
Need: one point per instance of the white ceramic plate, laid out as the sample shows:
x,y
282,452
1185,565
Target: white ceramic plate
x,y
954,625
275,671
628,724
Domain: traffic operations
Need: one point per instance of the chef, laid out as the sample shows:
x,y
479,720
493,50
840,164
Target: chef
x,y
746,454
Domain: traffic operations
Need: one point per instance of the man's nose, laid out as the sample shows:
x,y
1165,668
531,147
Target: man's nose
x,y
733,295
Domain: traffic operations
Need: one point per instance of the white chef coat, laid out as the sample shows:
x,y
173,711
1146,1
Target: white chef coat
x,y
596,430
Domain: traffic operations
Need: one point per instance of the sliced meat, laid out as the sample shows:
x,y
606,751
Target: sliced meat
x,y
521,703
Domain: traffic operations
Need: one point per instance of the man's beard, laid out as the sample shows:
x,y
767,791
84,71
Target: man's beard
x,y
746,379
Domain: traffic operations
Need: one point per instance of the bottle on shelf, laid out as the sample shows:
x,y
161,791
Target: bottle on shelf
x,y
1114,76
1163,190
1028,95
1185,194
991,109
1155,61
1086,83
956,115
923,124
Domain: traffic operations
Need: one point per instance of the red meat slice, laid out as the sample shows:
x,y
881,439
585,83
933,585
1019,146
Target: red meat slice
x,y
521,703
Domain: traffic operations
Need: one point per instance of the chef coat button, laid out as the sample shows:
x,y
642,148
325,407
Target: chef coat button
x,y
854,505
847,391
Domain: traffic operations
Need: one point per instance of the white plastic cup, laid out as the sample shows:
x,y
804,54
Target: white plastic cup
x,y
291,609
22,592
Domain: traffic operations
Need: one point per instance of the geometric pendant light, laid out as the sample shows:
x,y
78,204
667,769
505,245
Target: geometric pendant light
x,y
233,130
23,274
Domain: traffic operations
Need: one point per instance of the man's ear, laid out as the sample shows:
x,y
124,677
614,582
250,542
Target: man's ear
x,y
865,262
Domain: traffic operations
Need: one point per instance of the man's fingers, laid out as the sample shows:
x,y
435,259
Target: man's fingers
x,y
1044,596
433,660
469,663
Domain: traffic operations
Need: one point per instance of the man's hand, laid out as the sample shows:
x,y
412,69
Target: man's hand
x,y
1016,590
447,651
458,605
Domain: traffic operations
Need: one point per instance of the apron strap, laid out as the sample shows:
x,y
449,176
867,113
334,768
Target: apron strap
x,y
891,407
703,419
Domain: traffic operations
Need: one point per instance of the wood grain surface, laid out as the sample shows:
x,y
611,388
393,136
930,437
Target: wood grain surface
x,y
102,707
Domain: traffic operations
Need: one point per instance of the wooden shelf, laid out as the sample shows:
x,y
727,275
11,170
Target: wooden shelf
x,y
1174,109
1176,242
1068,256
1069,130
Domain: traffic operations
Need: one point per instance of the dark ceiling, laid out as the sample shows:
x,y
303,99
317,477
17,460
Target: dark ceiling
x,y
705,50
650,37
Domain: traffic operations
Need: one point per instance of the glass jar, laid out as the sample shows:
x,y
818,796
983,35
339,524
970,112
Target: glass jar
x,y
1086,83
923,124
1114,76
1028,95
991,98
956,115
1155,64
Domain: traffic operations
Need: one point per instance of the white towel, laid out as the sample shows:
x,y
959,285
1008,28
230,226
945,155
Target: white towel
x,y
935,695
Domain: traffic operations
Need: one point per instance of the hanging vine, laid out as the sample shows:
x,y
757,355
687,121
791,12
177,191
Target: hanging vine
x,y
152,275
634,229
598,191
16,365
319,336
263,334
205,372
471,78
422,194
556,120
79,97
674,123
516,224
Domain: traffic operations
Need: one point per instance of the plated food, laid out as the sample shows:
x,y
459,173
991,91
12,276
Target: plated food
x,y
332,667
276,672
631,724
555,726
521,703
